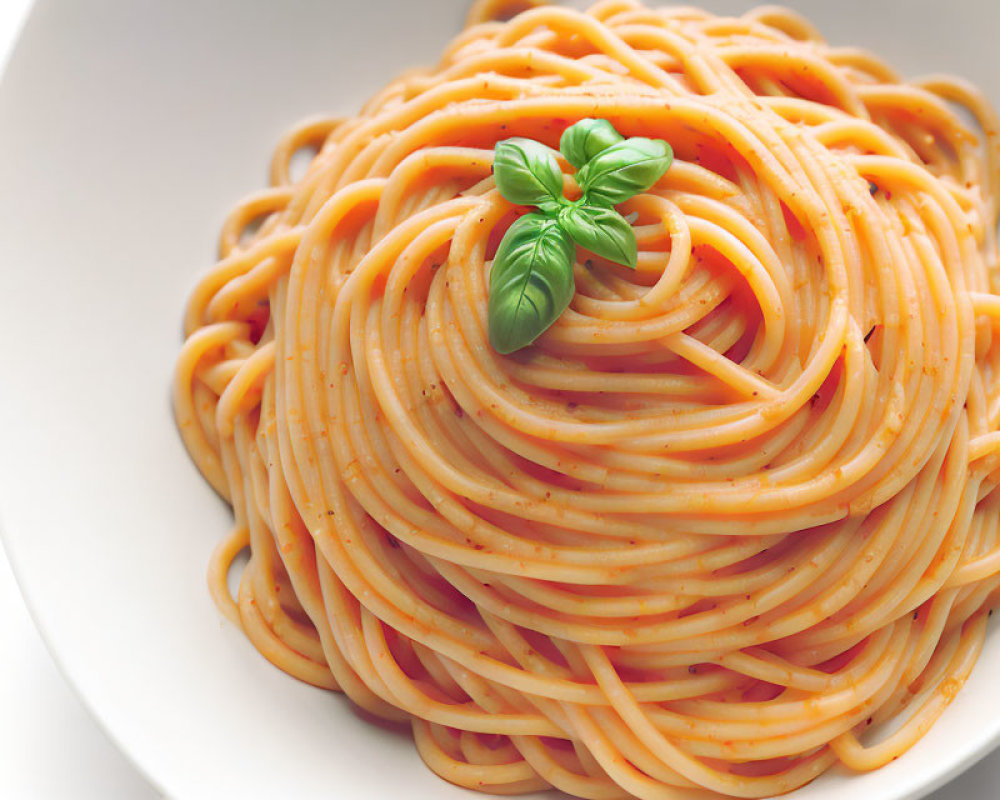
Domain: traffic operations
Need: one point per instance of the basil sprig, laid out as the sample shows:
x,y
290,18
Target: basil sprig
x,y
531,282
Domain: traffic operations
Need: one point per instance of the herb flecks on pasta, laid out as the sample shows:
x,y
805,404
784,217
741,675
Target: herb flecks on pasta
x,y
627,483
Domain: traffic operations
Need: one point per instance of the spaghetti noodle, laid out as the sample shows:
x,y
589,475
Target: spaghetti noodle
x,y
733,511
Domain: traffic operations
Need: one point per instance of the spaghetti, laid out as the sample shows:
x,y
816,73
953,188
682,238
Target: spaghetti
x,y
733,511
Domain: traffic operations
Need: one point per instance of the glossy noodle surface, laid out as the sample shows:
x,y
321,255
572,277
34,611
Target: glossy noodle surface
x,y
731,514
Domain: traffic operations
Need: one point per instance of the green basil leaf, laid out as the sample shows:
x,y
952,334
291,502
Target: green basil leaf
x,y
526,171
624,170
551,207
531,282
602,231
585,139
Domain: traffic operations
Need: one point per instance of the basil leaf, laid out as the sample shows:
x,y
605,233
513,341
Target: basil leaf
x,y
585,139
624,170
531,282
526,172
551,207
602,231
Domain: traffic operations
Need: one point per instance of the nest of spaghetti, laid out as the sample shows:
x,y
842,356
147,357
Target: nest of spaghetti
x,y
734,511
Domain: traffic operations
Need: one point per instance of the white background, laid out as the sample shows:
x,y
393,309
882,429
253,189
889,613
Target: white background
x,y
49,745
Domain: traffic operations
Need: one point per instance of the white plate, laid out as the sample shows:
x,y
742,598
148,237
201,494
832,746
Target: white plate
x,y
126,131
